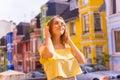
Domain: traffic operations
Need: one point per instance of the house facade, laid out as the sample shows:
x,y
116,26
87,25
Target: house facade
x,y
92,31
26,38
7,26
113,30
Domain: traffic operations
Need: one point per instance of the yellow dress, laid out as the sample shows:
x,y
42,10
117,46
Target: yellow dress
x,y
62,64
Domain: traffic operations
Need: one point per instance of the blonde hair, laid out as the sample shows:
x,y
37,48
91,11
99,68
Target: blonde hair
x,y
50,24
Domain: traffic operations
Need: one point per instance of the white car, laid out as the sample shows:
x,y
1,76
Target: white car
x,y
97,72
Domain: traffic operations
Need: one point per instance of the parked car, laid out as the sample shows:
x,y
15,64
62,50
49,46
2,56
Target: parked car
x,y
97,72
35,75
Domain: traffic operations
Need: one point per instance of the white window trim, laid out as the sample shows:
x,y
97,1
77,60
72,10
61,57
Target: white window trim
x,y
100,21
74,28
84,2
114,41
73,4
84,23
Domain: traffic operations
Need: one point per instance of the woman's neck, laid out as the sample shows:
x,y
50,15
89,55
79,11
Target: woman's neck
x,y
57,43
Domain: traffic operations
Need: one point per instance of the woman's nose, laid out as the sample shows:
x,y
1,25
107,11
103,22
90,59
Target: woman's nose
x,y
59,24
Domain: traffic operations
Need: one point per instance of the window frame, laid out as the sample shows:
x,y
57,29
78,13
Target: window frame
x,y
115,41
101,50
86,24
72,28
113,7
84,2
88,55
97,28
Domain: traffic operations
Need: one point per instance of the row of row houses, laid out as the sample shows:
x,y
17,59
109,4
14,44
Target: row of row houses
x,y
92,24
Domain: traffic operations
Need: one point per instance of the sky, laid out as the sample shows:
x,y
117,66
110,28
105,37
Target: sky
x,y
20,10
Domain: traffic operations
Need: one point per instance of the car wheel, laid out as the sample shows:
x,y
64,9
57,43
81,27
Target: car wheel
x,y
95,79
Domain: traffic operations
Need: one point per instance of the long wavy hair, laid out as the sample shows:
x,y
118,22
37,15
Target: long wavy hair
x,y
63,37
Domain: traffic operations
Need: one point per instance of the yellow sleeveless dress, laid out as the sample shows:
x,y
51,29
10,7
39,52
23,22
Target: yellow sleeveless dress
x,y
62,64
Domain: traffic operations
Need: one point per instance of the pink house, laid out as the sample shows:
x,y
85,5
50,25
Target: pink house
x,y
26,37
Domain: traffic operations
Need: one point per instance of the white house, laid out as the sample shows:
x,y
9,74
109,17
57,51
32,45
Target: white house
x,y
113,27
6,27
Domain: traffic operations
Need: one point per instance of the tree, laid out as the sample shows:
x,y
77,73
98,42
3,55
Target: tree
x,y
102,59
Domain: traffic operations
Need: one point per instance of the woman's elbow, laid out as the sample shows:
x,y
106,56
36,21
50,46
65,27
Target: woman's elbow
x,y
81,61
46,53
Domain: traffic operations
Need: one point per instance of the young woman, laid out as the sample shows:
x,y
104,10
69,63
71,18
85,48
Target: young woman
x,y
59,55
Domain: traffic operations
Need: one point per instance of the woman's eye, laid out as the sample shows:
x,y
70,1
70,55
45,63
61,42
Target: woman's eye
x,y
62,24
56,23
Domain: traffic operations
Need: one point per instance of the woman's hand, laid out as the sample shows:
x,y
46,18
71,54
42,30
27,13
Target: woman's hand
x,y
68,40
48,49
47,33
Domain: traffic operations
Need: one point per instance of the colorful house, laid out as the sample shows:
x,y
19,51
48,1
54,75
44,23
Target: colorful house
x,y
92,31
26,38
113,30
87,28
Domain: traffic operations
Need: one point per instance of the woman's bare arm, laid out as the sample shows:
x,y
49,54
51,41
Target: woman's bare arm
x,y
77,53
47,49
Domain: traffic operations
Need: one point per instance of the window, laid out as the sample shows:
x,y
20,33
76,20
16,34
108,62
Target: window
x,y
117,41
97,22
73,4
99,50
27,46
87,52
43,13
37,43
33,45
118,6
33,23
100,56
19,47
19,66
72,28
86,23
113,6
44,9
85,1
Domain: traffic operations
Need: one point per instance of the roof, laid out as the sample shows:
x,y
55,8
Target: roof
x,y
22,28
56,7
70,14
26,37
102,7
38,20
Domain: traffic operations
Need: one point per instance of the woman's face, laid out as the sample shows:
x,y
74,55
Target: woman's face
x,y
58,26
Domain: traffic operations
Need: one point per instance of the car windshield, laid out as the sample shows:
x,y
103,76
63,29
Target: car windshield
x,y
37,74
93,68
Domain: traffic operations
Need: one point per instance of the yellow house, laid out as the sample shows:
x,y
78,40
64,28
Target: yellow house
x,y
87,28
93,33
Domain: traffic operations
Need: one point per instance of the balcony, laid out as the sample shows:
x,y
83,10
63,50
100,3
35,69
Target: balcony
x,y
85,36
99,35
